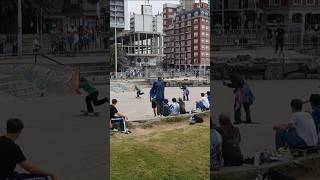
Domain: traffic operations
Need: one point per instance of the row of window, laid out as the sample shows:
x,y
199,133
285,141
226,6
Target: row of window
x,y
295,2
192,14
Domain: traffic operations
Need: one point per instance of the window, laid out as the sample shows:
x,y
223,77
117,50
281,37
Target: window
x,y
195,34
310,2
170,10
189,15
196,13
297,2
195,27
275,2
195,47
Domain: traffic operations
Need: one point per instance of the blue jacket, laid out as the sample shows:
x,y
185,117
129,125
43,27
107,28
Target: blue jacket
x,y
158,87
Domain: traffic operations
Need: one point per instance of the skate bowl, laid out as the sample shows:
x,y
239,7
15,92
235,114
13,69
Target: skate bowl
x,y
37,80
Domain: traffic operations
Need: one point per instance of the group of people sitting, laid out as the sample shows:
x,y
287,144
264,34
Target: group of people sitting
x,y
175,108
204,103
301,132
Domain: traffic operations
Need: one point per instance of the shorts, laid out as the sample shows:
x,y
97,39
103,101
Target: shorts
x,y
153,104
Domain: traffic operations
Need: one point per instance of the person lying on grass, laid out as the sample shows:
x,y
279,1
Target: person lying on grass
x,y
118,118
11,155
299,132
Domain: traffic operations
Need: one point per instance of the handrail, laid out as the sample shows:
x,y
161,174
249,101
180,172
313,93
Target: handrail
x,y
48,58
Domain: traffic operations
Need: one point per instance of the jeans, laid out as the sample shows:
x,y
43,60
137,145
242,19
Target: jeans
x,y
199,105
120,122
279,45
237,113
21,176
139,93
289,138
93,97
186,97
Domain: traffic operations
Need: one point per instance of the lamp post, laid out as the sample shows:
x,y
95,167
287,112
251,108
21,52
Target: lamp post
x,y
115,42
19,28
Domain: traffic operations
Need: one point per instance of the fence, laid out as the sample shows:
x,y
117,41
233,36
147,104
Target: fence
x,y
52,43
251,38
154,74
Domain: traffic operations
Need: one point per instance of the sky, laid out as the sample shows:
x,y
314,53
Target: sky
x,y
157,6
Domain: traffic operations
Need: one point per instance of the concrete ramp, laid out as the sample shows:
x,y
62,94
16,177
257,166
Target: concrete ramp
x,y
34,80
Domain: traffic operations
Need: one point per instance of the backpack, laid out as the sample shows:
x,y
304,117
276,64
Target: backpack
x,y
249,97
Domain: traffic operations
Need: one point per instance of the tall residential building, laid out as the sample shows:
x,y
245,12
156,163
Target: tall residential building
x,y
187,42
117,16
187,4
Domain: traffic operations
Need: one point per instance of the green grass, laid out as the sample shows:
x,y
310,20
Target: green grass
x,y
168,155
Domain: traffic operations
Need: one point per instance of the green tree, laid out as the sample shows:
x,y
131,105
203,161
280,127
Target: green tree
x,y
122,59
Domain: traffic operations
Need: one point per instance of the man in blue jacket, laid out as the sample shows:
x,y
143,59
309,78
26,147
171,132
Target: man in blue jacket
x,y
158,88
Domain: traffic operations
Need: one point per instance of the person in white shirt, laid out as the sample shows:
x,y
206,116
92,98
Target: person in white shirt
x,y
300,132
203,104
175,107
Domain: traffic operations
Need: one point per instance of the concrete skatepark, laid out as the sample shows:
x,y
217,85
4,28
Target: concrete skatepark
x,y
56,136
140,108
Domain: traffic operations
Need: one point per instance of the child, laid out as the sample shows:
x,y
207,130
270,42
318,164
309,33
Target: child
x,y
166,108
185,93
174,107
182,106
153,101
139,93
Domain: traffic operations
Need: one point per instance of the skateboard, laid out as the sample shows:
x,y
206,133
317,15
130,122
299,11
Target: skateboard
x,y
86,113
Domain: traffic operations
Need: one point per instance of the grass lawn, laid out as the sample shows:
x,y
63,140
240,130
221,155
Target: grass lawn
x,y
169,153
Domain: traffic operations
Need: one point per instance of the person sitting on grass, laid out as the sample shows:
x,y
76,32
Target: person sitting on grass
x,y
92,96
166,108
182,106
300,132
209,97
139,92
11,155
203,104
174,107
118,118
215,149
231,138
315,105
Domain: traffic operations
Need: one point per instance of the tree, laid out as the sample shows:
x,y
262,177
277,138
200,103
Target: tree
x,y
121,58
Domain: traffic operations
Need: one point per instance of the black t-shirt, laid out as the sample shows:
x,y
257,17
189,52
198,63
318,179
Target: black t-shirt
x,y
10,156
113,111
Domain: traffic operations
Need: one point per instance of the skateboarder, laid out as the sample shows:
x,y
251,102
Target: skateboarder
x,y
139,92
92,96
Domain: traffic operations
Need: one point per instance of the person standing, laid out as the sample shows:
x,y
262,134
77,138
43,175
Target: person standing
x,y
242,96
279,40
153,101
159,88
185,93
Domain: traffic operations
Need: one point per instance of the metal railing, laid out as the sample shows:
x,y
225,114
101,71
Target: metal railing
x,y
236,38
59,43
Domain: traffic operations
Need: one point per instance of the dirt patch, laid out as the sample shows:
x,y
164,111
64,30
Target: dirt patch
x,y
153,130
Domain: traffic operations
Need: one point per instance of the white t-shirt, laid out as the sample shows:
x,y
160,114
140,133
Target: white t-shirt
x,y
305,127
205,102
175,108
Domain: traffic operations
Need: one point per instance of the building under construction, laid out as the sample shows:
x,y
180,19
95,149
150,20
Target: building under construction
x,y
143,44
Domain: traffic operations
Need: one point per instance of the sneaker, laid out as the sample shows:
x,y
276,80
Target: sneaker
x,y
237,122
